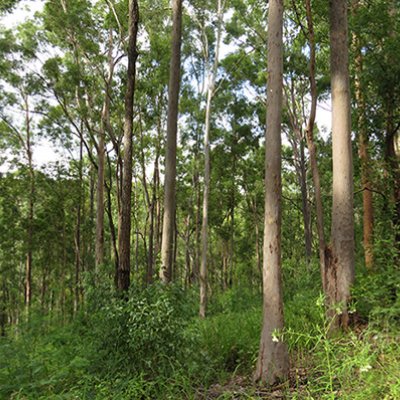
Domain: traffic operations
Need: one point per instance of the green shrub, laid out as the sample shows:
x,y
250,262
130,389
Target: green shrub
x,y
143,334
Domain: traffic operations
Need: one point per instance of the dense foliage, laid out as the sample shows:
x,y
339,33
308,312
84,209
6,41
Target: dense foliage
x,y
65,331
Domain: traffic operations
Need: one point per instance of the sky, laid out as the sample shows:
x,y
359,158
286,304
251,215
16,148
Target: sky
x,y
45,152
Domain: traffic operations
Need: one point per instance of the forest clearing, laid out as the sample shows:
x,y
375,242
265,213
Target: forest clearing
x,y
199,199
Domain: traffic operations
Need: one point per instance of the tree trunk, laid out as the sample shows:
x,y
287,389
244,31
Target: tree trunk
x,y
297,142
323,251
207,165
170,157
340,274
304,203
78,259
188,259
99,248
196,184
363,143
273,360
105,116
28,148
204,225
124,227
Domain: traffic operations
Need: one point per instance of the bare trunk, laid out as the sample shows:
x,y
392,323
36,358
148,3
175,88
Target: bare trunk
x,y
153,226
170,157
304,204
78,259
28,148
63,269
111,218
204,225
124,227
323,252
341,273
99,248
89,243
150,258
196,265
273,361
188,259
207,165
368,211
297,142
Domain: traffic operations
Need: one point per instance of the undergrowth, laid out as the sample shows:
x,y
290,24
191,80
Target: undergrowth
x,y
152,345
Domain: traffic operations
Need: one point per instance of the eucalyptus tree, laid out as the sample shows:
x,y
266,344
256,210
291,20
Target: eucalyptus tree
x,y
340,272
363,136
211,76
273,361
170,159
124,225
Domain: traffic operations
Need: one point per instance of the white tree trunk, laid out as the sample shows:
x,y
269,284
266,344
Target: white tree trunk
x,y
207,163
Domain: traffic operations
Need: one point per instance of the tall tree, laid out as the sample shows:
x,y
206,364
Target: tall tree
x,y
312,148
124,226
273,360
211,79
167,245
363,149
340,273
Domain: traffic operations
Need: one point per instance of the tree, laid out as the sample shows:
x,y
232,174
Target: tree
x,y
211,79
170,159
124,226
340,271
273,361
363,149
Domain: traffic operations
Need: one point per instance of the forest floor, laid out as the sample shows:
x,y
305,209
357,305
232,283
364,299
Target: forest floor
x,y
154,347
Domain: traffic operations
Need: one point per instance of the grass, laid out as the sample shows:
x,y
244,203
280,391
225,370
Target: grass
x,y
210,358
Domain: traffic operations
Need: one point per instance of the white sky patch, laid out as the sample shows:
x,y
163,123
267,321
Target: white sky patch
x,y
44,152
24,10
323,117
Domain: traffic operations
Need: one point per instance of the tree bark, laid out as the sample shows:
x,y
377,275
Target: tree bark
x,y
340,273
124,227
273,361
170,157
